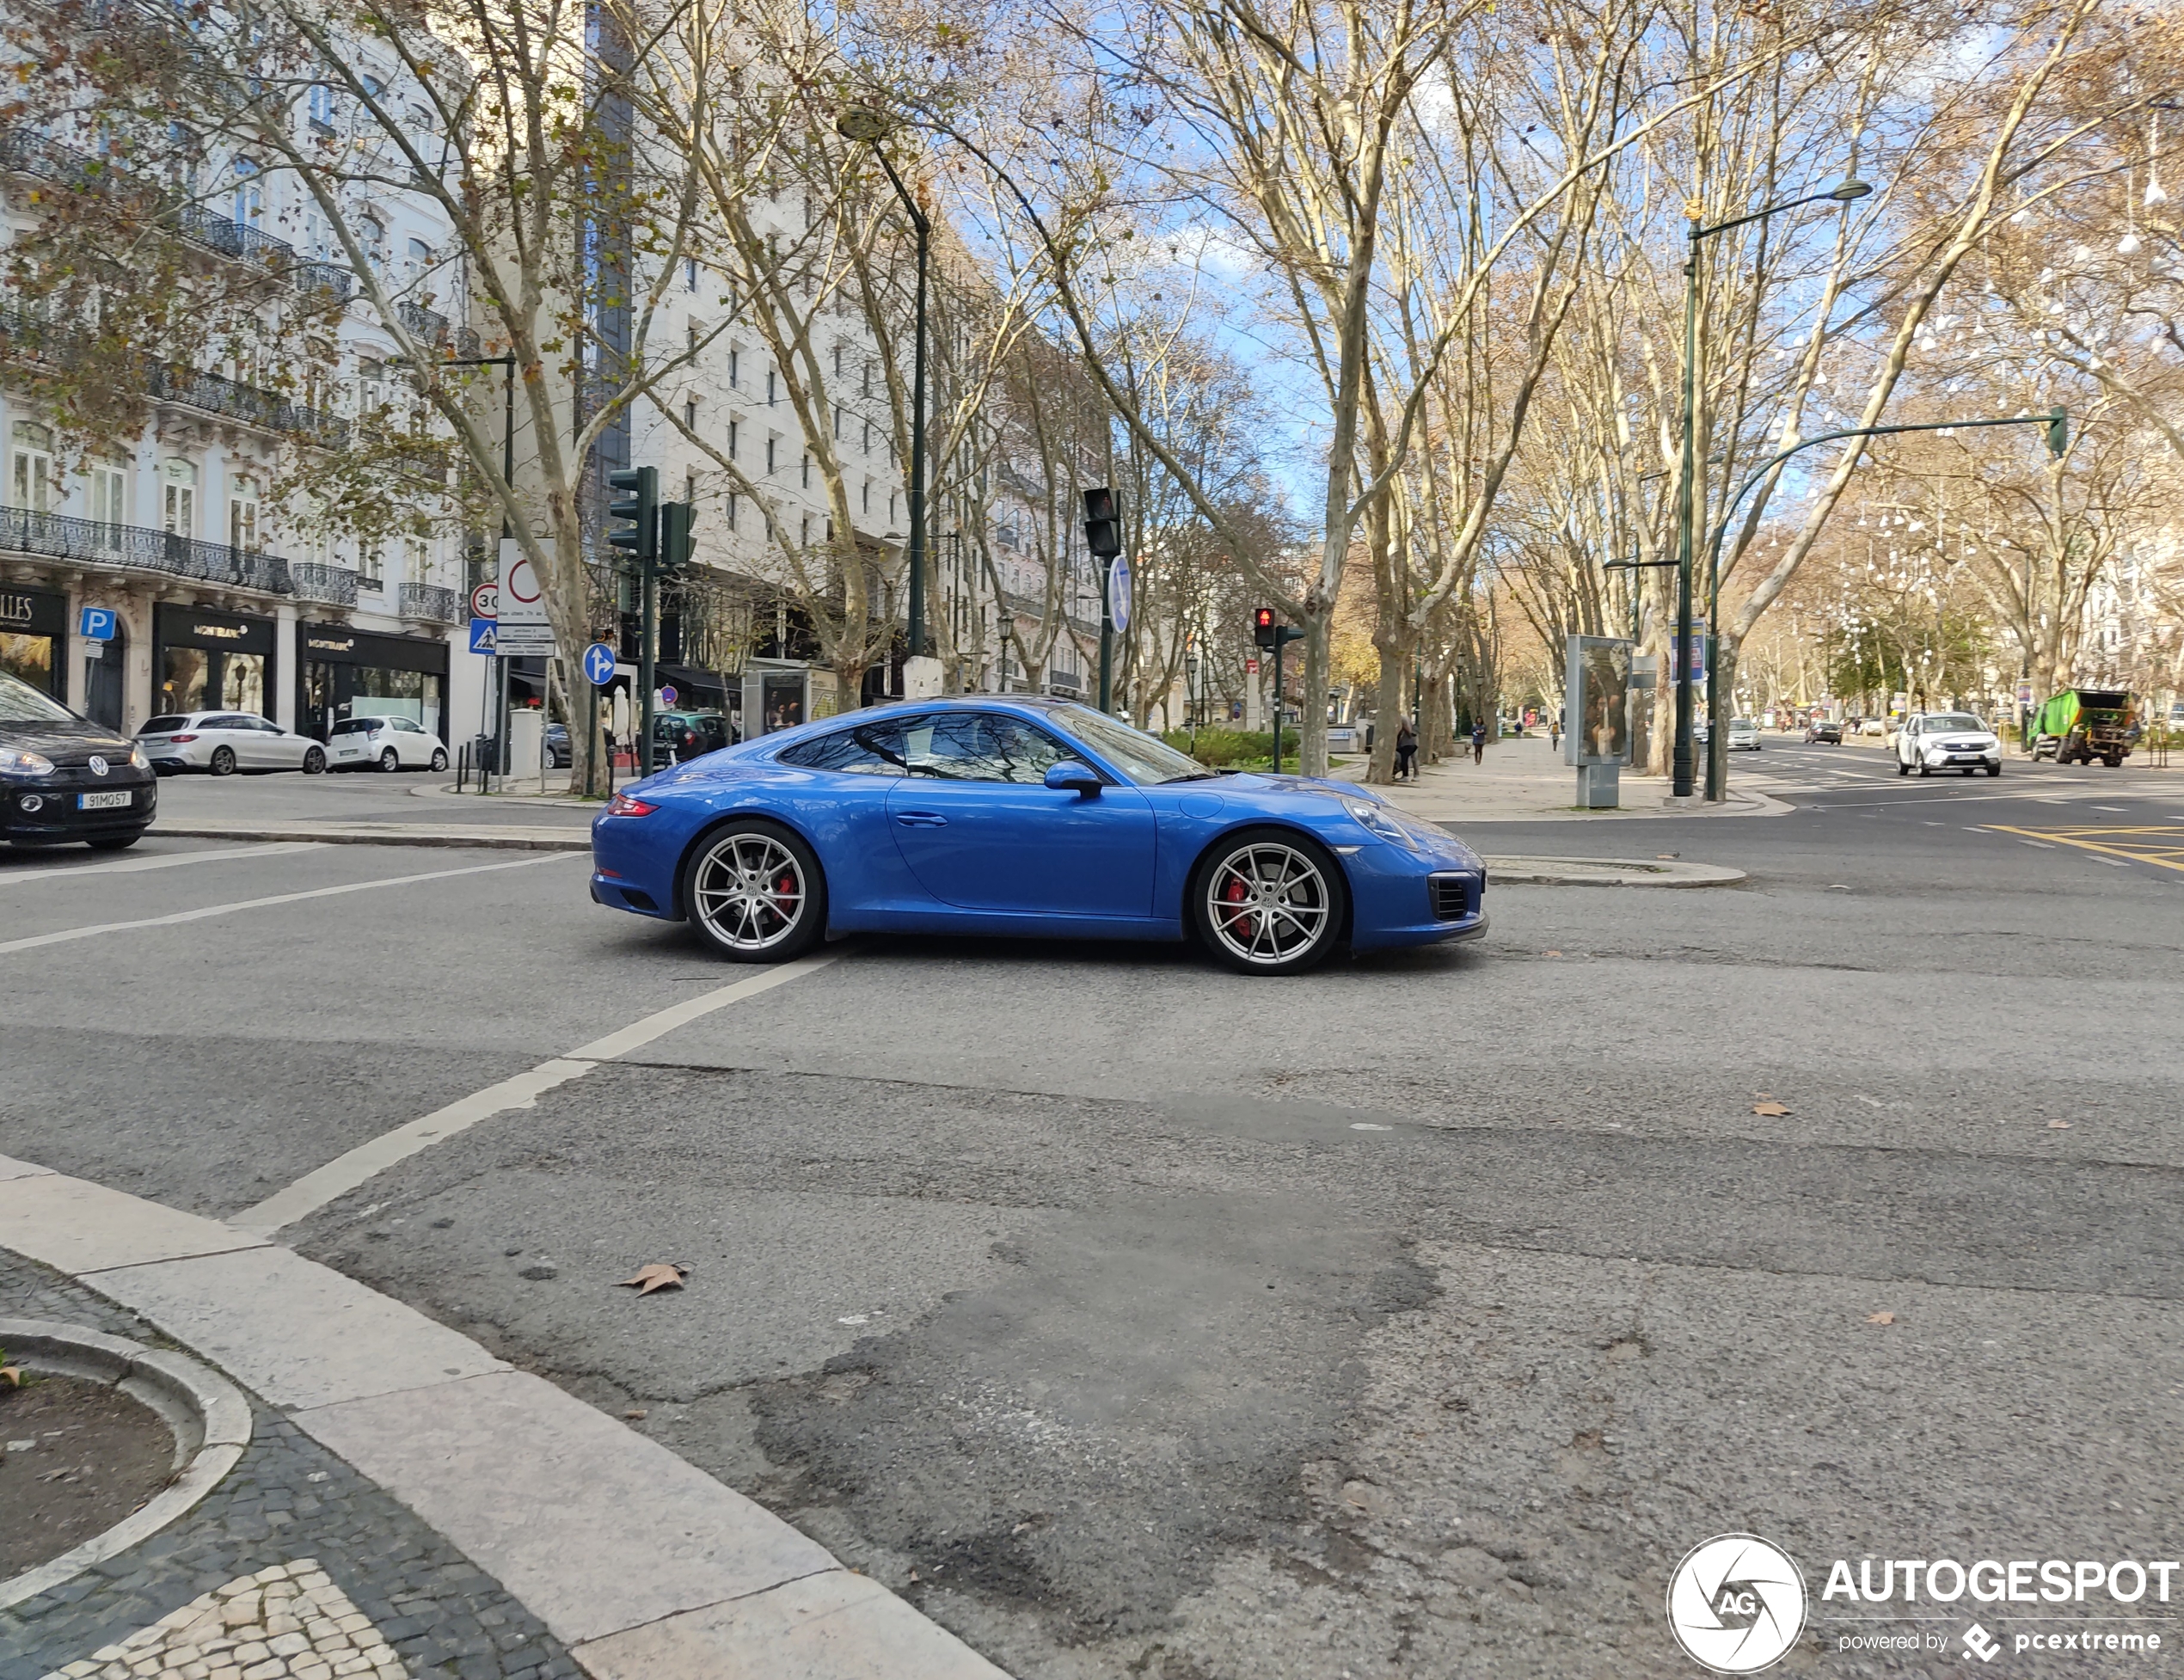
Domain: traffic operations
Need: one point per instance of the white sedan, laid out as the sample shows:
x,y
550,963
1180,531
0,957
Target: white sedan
x,y
221,742
386,743
1931,741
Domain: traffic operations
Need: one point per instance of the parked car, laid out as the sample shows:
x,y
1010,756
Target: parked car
x,y
65,778
1026,817
221,742
1743,735
1824,729
558,750
1873,727
1931,741
679,737
386,743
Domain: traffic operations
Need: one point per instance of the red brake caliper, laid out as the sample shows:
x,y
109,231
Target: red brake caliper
x,y
1236,894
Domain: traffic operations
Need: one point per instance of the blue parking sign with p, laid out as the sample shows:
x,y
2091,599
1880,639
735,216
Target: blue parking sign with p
x,y
96,624
598,664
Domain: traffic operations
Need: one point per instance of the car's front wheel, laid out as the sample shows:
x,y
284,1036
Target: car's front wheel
x,y
755,892
314,762
1266,901
440,758
1994,769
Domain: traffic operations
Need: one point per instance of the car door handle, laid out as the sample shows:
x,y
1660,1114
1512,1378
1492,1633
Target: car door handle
x,y
921,819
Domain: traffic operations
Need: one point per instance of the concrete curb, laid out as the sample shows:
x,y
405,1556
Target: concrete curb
x,y
637,1562
1607,871
209,1416
509,838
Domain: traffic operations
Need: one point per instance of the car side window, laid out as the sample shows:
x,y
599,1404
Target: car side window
x,y
865,750
979,746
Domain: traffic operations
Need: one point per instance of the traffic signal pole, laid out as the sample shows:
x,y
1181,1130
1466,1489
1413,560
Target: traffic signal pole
x,y
649,640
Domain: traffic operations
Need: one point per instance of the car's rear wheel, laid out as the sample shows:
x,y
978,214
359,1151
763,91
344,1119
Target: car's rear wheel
x,y
314,762
389,761
754,890
1268,901
223,761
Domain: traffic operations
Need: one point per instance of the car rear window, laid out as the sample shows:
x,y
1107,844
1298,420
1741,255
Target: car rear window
x,y
163,726
356,726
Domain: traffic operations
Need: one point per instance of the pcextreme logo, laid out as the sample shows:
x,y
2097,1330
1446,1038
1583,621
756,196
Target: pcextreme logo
x,y
1736,1604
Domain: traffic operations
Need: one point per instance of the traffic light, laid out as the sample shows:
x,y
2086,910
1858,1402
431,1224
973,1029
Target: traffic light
x,y
1262,626
2058,433
674,540
639,540
1102,530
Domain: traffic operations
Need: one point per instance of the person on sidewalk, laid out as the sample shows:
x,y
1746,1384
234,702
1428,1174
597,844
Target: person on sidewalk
x,y
1555,734
1406,751
1479,742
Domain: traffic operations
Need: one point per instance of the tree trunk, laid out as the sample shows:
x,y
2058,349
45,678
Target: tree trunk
x,y
1387,709
1311,709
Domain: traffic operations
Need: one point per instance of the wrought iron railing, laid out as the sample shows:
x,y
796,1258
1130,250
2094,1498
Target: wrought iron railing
x,y
95,541
315,580
234,239
428,601
322,277
425,323
216,394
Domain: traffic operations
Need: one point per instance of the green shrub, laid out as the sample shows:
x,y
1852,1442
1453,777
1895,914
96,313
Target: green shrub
x,y
1223,749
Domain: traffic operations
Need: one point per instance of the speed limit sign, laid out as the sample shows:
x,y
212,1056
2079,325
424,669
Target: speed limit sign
x,y
485,601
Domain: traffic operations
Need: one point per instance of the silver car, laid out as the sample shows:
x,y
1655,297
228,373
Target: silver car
x,y
385,744
221,742
1743,735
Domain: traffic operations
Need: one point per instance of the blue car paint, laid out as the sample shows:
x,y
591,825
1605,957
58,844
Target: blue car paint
x,y
1016,859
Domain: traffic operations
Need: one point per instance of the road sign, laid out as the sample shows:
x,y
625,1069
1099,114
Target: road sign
x,y
598,664
521,608
1119,592
668,694
484,636
1251,667
95,624
485,601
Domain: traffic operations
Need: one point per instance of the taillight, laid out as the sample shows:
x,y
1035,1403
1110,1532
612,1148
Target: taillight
x,y
178,740
623,806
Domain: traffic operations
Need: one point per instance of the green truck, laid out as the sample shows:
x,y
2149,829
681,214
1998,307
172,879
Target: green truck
x,y
2080,725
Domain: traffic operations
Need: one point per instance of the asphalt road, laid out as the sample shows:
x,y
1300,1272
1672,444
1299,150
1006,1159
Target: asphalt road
x,y
1136,1319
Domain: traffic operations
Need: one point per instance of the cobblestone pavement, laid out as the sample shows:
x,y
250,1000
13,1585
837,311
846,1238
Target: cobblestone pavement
x,y
288,1623
289,1505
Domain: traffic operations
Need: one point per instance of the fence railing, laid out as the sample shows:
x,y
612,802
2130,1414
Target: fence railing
x,y
133,548
429,601
426,324
315,580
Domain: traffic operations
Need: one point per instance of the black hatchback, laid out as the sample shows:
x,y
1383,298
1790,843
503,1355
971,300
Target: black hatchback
x,y
63,777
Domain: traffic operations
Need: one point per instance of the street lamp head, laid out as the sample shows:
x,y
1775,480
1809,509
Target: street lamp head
x,y
861,123
1851,187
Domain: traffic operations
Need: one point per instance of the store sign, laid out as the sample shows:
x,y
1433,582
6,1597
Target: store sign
x,y
319,642
26,611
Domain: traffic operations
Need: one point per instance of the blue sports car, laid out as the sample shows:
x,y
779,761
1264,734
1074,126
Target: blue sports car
x,y
993,814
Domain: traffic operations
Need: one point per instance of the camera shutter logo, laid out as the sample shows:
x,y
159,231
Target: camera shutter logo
x,y
1736,1604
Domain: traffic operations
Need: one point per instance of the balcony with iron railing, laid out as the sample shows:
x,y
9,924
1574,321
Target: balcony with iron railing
x,y
423,324
94,543
430,602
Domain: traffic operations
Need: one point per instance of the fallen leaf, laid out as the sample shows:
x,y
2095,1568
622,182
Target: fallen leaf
x,y
12,1375
2058,1126
1551,954
1772,1110
1881,1318
1663,855
636,1413
650,1278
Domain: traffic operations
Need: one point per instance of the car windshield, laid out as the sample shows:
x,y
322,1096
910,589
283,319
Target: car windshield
x,y
1953,721
356,726
1142,758
21,703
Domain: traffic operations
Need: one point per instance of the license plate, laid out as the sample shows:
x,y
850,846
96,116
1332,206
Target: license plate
x,y
102,802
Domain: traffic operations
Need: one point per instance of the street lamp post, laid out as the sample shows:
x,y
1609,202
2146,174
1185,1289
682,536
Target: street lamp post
x,y
1686,517
862,124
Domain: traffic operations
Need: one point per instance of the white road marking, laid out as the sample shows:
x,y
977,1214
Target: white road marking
x,y
138,865
346,1172
2042,844
203,911
2118,809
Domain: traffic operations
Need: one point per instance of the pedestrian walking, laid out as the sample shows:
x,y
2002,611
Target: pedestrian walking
x,y
1479,742
1555,734
1406,751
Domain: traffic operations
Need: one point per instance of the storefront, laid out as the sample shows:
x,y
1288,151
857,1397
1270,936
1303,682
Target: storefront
x,y
343,672
203,660
33,638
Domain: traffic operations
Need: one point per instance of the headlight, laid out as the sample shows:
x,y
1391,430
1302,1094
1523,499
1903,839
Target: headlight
x,y
1375,820
20,762
137,759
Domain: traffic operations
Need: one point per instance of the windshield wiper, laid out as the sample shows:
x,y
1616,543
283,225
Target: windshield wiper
x,y
1191,775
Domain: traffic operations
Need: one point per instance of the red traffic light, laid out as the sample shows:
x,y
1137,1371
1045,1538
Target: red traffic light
x,y
1262,626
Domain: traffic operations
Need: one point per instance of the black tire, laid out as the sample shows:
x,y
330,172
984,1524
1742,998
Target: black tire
x,y
2114,761
1994,769
1902,769
440,758
1308,893
315,760
737,878
223,761
1926,769
389,762
114,843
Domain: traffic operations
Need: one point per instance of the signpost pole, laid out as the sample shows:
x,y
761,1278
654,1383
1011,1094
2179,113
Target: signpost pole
x,y
1277,704
650,610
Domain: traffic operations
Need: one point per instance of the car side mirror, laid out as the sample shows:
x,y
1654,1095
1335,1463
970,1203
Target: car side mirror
x,y
1074,776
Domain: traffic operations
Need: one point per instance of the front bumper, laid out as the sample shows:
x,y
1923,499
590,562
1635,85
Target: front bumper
x,y
46,811
1399,897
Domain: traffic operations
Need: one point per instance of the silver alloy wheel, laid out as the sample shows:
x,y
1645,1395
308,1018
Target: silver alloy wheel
x,y
1267,902
749,891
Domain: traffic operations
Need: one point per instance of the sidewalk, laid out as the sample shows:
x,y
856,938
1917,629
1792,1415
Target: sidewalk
x,y
406,1505
1524,780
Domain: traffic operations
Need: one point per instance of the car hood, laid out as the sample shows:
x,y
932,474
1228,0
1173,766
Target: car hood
x,y
1265,781
69,743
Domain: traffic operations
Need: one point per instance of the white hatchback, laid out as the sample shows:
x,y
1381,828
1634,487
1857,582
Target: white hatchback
x,y
221,742
385,744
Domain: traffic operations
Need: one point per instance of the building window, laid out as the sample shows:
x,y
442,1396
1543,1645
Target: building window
x,y
690,489
770,394
371,389
109,502
417,561
31,478
242,514
689,424
735,437
838,422
318,107
371,567
248,208
735,507
772,442
804,473
420,260
690,336
838,374
867,449
735,382
868,391
690,284
178,499
868,508
804,540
